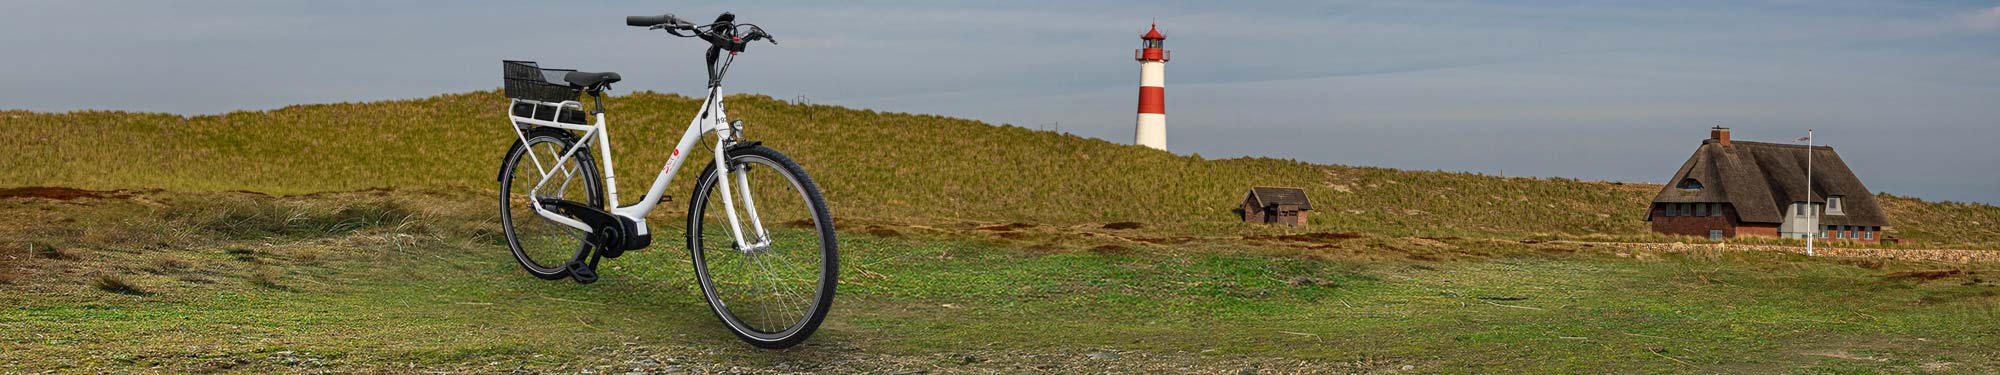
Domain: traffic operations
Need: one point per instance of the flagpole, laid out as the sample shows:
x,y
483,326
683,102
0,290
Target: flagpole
x,y
1812,215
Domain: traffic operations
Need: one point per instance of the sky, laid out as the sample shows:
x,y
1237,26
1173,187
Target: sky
x,y
1908,92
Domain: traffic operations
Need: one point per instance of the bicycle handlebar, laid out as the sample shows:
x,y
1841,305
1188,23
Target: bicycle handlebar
x,y
722,34
662,21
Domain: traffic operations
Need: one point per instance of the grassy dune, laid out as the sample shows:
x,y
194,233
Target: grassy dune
x,y
888,167
400,282
966,248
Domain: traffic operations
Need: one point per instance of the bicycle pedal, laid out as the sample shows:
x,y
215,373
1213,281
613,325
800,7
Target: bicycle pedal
x,y
582,273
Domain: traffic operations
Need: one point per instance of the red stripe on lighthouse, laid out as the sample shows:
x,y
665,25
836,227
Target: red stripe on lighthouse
x,y
1152,99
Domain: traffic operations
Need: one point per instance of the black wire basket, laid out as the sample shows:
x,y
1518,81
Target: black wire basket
x,y
527,81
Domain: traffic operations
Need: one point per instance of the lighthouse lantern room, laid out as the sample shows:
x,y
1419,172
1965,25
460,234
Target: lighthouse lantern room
x,y
1151,129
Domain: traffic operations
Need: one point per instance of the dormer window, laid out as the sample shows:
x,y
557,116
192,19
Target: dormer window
x,y
1833,205
1689,184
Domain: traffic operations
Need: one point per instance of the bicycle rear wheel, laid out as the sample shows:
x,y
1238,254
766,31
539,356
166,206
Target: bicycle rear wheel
x,y
543,247
776,292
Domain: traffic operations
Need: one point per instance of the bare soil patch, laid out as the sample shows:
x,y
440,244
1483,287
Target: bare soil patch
x,y
880,231
1309,237
1922,275
1122,225
1007,227
1111,249
57,193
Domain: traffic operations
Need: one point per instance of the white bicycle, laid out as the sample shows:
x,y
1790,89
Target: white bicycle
x,y
767,262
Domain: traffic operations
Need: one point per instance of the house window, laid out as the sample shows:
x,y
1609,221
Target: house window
x,y
1700,209
1689,184
1799,209
1714,234
1833,205
1868,235
1823,231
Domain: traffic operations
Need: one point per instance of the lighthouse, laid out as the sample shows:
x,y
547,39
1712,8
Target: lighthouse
x,y
1151,129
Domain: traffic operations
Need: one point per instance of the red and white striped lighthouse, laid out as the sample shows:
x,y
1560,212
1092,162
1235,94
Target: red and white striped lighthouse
x,y
1151,130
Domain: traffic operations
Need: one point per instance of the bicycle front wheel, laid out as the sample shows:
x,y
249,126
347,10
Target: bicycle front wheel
x,y
774,287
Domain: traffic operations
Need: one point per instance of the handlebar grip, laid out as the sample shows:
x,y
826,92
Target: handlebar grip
x,y
650,21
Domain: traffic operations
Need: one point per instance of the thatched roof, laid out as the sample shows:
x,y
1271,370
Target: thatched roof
x,y
1761,179
1269,196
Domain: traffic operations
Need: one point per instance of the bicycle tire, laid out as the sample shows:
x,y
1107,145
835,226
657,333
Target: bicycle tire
x,y
822,228
541,268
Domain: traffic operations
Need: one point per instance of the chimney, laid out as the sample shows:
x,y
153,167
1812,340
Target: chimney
x,y
1719,134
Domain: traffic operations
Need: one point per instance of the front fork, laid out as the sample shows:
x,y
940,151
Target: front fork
x,y
725,136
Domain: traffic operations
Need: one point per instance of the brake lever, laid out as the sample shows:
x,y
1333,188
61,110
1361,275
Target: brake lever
x,y
759,32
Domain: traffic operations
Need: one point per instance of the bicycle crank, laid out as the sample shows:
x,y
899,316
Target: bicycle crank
x,y
611,234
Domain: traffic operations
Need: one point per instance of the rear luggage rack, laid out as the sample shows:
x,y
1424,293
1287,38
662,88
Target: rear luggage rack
x,y
537,95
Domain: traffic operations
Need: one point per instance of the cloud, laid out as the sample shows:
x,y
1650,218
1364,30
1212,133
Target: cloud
x,y
1983,20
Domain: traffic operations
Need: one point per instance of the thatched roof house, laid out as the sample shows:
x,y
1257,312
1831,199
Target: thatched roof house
x,y
1730,188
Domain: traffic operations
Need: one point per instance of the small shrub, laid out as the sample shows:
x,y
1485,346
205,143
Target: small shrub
x,y
115,284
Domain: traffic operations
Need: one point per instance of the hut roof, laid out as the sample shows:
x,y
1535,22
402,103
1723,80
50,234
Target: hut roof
x,y
1269,196
1761,179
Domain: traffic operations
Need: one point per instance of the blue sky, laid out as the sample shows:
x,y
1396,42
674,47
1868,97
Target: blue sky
x,y
1909,92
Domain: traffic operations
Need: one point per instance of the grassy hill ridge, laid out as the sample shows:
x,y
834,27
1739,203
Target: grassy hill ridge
x,y
875,166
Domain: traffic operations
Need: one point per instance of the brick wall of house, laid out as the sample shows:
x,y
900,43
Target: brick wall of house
x,y
1859,235
1697,226
1758,230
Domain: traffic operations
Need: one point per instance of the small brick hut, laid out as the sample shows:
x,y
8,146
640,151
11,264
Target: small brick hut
x,y
1730,189
1276,205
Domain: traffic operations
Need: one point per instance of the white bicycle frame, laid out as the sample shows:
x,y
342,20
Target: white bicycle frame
x,y
710,119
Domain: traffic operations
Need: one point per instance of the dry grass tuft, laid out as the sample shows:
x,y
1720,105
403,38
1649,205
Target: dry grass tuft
x,y
242,254
265,278
165,264
46,251
116,284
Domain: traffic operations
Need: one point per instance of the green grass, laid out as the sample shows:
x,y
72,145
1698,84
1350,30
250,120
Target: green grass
x,y
890,167
434,291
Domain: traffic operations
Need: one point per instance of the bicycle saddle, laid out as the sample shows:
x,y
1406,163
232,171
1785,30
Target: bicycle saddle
x,y
590,80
